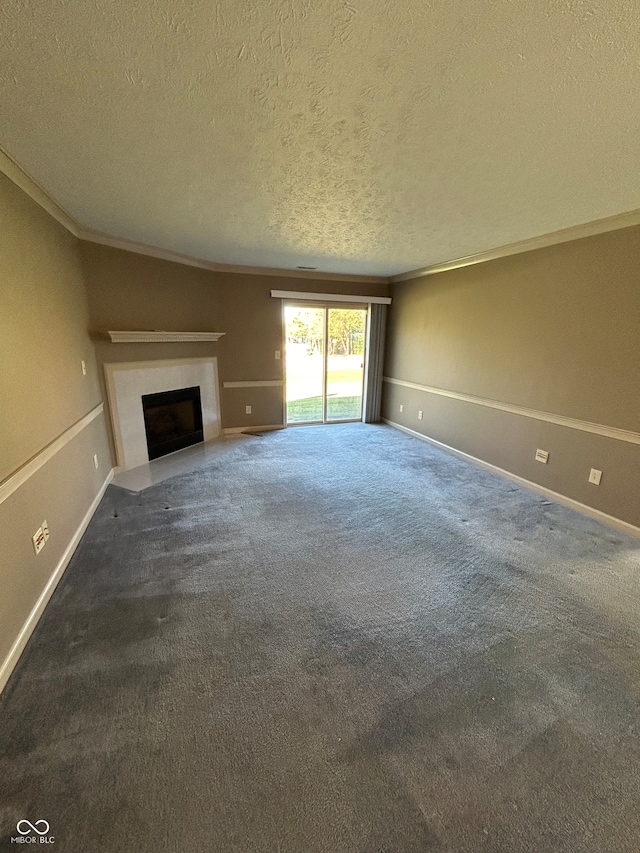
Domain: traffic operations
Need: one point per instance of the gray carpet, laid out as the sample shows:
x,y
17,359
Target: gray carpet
x,y
333,639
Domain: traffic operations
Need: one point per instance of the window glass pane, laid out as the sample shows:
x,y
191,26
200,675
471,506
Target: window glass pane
x,y
304,329
345,363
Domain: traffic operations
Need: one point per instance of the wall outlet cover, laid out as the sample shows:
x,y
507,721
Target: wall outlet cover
x,y
38,540
595,476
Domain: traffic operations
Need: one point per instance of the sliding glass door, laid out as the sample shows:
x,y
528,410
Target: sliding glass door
x,y
305,364
325,358
345,363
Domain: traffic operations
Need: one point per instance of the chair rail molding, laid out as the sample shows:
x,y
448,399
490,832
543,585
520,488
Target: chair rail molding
x,y
254,383
13,482
560,420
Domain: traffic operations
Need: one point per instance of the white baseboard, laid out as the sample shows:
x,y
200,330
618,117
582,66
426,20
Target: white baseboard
x,y
611,520
27,629
267,428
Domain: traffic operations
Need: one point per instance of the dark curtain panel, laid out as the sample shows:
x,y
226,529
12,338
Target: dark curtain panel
x,y
373,390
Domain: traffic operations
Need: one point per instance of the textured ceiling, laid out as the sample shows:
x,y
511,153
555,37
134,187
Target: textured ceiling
x,y
351,135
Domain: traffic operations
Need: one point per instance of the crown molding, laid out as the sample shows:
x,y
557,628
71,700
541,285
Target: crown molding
x,y
21,177
28,184
188,260
554,238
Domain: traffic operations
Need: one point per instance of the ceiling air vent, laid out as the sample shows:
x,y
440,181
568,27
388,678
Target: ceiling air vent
x,y
306,268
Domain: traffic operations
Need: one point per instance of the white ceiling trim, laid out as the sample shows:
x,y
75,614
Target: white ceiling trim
x,y
356,139
566,235
188,260
21,178
16,173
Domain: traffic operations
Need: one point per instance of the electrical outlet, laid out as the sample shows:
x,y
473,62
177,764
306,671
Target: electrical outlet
x,y
420,415
84,367
38,540
45,530
542,456
247,410
401,407
277,355
95,460
595,476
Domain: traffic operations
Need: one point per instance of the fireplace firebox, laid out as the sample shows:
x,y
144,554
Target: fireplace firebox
x,y
172,420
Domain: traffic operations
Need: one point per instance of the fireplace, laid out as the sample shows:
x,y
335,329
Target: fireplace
x,y
128,382
172,420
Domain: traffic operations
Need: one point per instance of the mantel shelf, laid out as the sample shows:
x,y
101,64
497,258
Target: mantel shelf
x,y
162,337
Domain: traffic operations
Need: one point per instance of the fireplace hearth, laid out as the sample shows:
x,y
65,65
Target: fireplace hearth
x,y
172,420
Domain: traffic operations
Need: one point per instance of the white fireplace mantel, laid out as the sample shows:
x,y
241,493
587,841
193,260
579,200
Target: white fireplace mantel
x,y
162,337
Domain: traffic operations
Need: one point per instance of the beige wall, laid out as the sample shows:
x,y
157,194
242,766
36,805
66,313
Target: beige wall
x,y
43,330
129,291
43,339
556,330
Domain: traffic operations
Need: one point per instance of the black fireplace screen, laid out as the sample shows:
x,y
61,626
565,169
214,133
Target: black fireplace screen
x,y
172,420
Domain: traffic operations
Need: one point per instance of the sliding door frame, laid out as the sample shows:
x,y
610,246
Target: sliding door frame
x,y
326,306
325,358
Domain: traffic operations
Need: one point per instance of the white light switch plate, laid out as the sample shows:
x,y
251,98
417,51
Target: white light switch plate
x,y
595,476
